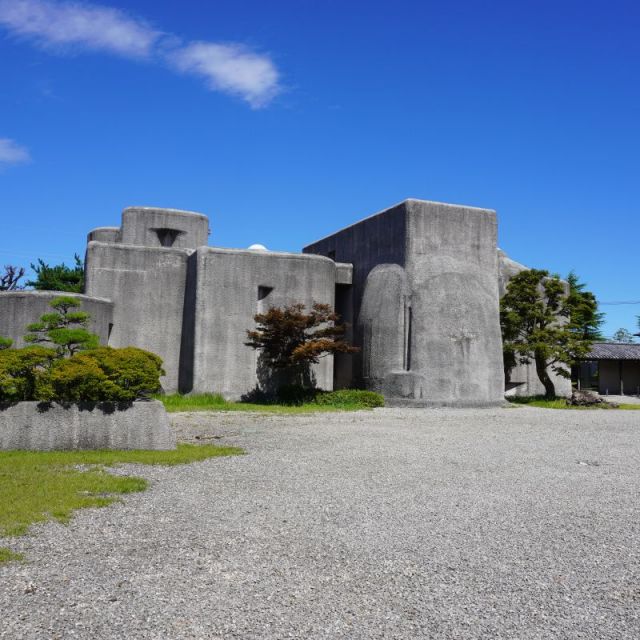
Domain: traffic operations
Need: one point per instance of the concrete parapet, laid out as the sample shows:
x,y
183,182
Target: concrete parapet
x,y
169,228
104,234
39,426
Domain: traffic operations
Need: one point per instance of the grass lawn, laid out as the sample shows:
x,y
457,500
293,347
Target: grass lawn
x,y
49,485
561,403
349,401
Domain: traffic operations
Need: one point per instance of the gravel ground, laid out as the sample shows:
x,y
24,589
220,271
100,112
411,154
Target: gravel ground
x,y
507,523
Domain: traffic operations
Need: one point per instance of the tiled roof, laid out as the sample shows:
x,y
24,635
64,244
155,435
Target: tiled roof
x,y
614,351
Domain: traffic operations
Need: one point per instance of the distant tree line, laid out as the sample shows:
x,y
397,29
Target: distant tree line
x,y
59,277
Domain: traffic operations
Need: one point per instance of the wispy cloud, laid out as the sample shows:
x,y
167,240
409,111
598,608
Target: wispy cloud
x,y
12,153
79,26
227,67
230,68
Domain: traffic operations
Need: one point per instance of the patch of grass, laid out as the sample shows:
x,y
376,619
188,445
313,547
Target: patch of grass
x,y
347,400
561,403
6,555
49,485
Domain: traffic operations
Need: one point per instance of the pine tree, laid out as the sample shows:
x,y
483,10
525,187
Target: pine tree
x,y
535,317
65,328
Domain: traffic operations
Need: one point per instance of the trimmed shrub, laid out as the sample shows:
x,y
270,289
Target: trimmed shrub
x,y
78,379
133,373
350,398
24,373
103,374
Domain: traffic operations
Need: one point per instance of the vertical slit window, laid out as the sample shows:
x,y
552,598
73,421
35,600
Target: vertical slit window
x,y
407,337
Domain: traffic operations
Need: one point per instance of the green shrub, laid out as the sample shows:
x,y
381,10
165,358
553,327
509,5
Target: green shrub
x,y
350,398
133,373
24,373
78,379
103,374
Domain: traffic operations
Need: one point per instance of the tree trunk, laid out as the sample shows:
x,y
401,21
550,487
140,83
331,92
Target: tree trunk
x,y
541,370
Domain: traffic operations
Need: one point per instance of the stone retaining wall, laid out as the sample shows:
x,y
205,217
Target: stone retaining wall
x,y
40,426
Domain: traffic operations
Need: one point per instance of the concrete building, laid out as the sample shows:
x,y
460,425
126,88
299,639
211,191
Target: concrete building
x,y
418,283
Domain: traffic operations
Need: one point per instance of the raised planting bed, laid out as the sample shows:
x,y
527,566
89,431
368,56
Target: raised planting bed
x,y
47,426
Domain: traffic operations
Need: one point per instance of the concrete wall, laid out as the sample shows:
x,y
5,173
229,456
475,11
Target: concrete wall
x,y
45,427
456,345
148,287
155,227
384,324
230,287
20,308
145,226
104,234
523,379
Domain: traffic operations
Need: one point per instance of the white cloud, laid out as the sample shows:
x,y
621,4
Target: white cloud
x,y
12,153
226,67
78,25
230,68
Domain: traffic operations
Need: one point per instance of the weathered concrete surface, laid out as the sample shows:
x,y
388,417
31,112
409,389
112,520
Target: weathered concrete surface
x,y
104,234
156,227
45,427
384,326
523,379
147,286
228,288
145,226
456,343
446,316
20,308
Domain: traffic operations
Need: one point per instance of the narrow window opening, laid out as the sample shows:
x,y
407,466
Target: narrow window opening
x,y
167,237
408,319
109,330
263,292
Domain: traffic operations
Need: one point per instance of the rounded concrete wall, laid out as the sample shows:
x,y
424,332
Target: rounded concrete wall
x,y
20,308
169,228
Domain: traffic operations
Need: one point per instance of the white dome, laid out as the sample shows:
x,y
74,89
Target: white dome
x,y
258,247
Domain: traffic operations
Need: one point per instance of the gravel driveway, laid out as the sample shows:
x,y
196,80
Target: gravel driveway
x,y
507,523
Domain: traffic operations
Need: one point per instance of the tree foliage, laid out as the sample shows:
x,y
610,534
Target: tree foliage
x,y
10,279
537,325
65,328
58,277
289,336
623,335
584,318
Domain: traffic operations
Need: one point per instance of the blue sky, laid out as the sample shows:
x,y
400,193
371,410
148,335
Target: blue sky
x,y
286,120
